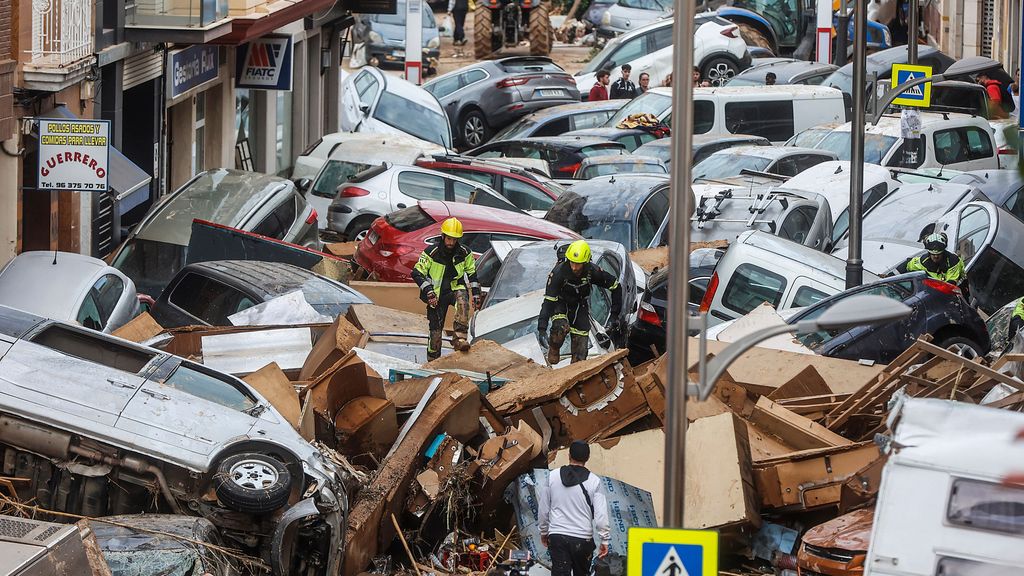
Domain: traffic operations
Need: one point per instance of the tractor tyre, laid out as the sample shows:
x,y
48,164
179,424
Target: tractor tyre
x,y
541,35
483,32
754,36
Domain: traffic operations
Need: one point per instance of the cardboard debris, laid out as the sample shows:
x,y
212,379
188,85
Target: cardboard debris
x,y
273,384
330,347
503,458
542,388
366,425
807,382
378,319
791,428
139,329
653,259
455,405
486,356
761,317
244,352
342,250
810,478
720,488
401,296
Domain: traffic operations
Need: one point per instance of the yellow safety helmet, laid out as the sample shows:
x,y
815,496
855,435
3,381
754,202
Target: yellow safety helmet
x,y
578,252
452,227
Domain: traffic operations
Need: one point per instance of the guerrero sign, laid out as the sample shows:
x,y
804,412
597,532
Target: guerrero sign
x,y
73,155
265,64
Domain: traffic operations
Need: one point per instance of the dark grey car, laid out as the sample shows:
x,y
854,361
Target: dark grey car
x,y
786,70
487,96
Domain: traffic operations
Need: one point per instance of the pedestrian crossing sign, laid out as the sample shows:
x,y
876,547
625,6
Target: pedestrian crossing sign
x,y
920,95
672,552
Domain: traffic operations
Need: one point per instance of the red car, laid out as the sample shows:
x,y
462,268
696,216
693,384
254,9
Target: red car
x,y
526,189
394,243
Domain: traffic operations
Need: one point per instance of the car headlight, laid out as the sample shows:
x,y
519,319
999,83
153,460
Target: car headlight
x,y
887,35
376,38
606,19
434,43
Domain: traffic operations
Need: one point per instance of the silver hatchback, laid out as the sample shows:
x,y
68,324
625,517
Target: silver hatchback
x,y
383,189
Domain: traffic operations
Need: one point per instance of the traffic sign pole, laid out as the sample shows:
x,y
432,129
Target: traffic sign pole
x,y
1020,64
824,18
914,7
414,41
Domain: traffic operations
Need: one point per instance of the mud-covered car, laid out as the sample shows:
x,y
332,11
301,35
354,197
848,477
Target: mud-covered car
x,y
101,426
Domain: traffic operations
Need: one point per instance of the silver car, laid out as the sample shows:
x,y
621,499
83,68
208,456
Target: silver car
x,y
383,189
100,426
250,201
69,287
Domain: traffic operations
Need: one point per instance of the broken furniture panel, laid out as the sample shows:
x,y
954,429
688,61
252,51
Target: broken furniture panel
x,y
273,384
139,329
489,357
719,485
340,338
504,458
245,352
791,428
810,478
547,386
366,425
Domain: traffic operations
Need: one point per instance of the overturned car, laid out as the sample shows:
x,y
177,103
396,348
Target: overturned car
x,y
100,426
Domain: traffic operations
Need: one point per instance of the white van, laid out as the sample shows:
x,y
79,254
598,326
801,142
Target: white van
x,y
943,505
760,267
949,141
774,112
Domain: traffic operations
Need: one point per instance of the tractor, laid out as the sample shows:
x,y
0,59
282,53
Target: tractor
x,y
501,23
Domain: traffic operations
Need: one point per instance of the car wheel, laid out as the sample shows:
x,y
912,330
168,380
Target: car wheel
x,y
719,70
252,483
474,129
961,346
358,229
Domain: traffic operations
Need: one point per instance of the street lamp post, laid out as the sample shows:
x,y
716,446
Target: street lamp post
x,y
863,310
854,263
914,6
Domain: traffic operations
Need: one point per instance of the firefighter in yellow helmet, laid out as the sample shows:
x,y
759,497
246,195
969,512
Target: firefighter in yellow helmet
x,y
567,303
445,273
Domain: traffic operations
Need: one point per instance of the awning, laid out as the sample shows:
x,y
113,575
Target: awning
x,y
246,28
129,183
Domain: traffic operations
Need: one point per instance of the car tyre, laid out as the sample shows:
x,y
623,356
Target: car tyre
x,y
483,32
473,129
719,70
358,228
962,346
754,36
541,35
252,483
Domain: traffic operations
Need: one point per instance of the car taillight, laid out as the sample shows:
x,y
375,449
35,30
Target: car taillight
x,y
709,294
510,82
940,286
1007,150
311,219
570,169
389,250
731,32
353,192
649,315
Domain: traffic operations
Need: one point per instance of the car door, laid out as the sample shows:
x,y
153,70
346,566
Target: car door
x,y
108,297
412,186
964,148
649,219
73,375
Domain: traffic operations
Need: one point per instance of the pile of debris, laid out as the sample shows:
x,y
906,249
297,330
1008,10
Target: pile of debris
x,y
445,459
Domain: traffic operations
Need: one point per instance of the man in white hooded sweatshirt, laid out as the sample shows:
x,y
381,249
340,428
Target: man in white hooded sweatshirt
x,y
569,510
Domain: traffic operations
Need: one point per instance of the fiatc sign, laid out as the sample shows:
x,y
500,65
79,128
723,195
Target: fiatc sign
x,y
265,64
73,155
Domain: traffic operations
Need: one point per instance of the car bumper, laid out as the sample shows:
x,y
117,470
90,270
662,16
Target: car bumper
x,y
316,522
746,60
396,54
384,268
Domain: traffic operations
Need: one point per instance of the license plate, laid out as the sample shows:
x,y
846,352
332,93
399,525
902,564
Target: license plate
x,y
551,93
399,53
373,237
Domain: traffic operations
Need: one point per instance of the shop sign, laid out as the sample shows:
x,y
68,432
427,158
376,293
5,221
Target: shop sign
x,y
74,155
371,6
265,64
191,67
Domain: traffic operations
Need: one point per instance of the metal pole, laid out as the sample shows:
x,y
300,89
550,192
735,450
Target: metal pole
x,y
842,33
1020,64
679,252
915,8
854,264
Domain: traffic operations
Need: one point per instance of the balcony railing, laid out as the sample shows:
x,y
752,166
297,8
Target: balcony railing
x,y
61,32
175,13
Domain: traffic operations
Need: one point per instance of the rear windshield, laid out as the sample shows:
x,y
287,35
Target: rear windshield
x,y
150,264
646,103
751,286
725,165
601,150
530,65
409,219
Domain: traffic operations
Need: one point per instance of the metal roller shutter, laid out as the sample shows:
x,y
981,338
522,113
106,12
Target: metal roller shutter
x,y
143,68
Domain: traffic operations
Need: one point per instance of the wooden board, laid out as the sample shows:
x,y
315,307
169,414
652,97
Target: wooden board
x,y
139,329
273,384
719,482
548,386
811,478
376,319
793,429
486,356
806,383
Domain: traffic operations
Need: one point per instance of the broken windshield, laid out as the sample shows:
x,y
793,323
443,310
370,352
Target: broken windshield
x,y
523,271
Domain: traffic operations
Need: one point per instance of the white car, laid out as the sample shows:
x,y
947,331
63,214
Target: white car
x,y
69,287
372,101
718,50
950,141
366,147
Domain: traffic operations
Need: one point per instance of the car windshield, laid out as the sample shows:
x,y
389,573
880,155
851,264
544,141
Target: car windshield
x,y
150,264
203,385
647,103
416,119
876,146
334,174
527,327
725,165
328,298
663,153
808,138
646,5
889,218
523,271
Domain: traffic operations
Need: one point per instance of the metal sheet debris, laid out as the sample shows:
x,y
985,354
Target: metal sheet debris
x,y
245,352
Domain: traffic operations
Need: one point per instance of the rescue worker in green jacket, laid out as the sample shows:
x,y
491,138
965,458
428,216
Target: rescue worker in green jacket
x,y
940,263
1016,320
567,303
445,273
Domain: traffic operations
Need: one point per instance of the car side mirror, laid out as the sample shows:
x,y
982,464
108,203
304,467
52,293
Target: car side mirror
x,y
603,339
303,184
365,109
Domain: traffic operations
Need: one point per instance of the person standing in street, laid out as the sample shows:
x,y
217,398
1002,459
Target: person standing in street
x,y
623,88
443,272
600,89
567,303
644,83
995,94
569,511
458,10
